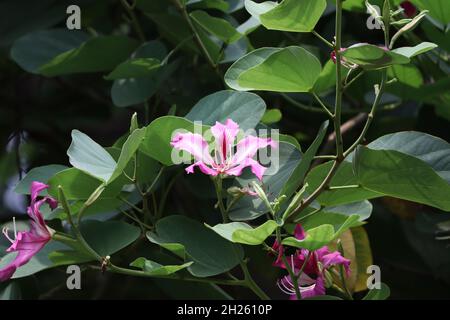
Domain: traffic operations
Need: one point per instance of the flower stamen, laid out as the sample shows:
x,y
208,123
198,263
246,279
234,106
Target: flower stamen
x,y
5,231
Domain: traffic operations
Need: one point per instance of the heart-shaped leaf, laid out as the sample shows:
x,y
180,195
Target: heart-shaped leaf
x,y
240,232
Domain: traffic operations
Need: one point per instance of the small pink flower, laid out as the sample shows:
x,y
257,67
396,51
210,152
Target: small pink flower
x,y
225,161
333,55
312,280
28,243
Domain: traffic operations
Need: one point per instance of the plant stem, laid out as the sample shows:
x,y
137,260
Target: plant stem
x,y
348,84
182,9
304,264
352,186
150,189
339,87
75,228
251,284
131,205
134,20
175,276
337,118
324,107
92,198
325,157
248,279
316,192
291,272
328,43
371,115
218,187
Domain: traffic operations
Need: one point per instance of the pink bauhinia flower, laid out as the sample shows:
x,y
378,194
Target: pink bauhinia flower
x,y
313,266
28,243
225,161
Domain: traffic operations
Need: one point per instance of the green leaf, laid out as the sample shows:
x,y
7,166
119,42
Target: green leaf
x,y
10,291
402,176
248,61
320,231
326,79
410,52
210,253
77,184
248,207
363,255
128,152
289,15
91,57
174,28
344,176
315,238
158,135
155,269
407,74
88,156
135,68
132,91
362,208
108,237
212,45
244,108
41,174
68,257
272,116
303,167
369,56
438,9
340,217
221,5
432,150
240,232
218,27
409,26
45,44
378,294
291,69
147,168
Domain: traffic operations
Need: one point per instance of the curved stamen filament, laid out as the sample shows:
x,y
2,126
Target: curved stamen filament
x,y
15,229
284,288
5,233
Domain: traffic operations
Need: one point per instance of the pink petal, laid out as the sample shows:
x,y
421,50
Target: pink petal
x,y
257,169
34,209
27,244
36,188
335,258
194,144
247,147
7,272
224,135
299,233
203,168
312,290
